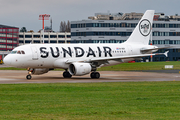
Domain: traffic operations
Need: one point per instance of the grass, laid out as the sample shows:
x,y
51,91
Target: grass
x,y
141,66
12,68
81,101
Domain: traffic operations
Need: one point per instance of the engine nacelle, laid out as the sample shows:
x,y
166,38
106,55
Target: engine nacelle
x,y
38,71
79,69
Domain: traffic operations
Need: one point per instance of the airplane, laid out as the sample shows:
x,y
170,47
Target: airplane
x,y
82,59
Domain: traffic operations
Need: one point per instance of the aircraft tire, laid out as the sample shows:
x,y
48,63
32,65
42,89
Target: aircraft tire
x,y
28,77
67,74
95,75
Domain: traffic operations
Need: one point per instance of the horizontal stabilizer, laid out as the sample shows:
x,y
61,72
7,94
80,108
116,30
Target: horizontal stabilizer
x,y
156,48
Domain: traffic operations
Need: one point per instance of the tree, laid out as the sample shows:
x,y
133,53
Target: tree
x,y
68,27
65,27
23,29
61,26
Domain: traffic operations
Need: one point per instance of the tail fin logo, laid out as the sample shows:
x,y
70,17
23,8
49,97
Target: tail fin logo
x,y
145,27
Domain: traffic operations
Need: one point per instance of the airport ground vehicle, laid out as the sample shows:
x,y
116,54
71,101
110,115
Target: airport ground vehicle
x,y
1,61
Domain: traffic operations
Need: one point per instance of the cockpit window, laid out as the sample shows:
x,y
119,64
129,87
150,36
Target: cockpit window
x,y
18,52
13,52
22,52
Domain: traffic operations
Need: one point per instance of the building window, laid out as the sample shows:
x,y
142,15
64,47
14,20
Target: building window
x,y
28,41
46,36
166,33
36,41
166,41
68,36
52,41
36,36
53,36
46,41
15,35
21,41
21,36
28,36
61,36
15,30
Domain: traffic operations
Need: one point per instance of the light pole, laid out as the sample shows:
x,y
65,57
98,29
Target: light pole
x,y
151,44
43,17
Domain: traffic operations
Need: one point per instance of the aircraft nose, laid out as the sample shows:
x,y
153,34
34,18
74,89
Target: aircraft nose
x,y
7,60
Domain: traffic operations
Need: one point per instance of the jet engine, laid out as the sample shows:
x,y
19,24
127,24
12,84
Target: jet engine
x,y
38,71
79,69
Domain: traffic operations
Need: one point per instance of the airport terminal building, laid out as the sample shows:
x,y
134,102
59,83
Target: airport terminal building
x,y
9,36
49,37
116,28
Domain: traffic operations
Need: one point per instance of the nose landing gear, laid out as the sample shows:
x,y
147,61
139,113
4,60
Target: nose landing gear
x,y
28,77
29,74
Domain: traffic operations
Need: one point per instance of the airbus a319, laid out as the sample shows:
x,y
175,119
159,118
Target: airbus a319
x,y
82,59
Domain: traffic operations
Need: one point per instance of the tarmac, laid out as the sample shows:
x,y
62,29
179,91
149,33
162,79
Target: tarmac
x,y
19,76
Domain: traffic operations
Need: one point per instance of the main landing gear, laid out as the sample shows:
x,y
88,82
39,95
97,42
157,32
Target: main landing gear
x,y
66,74
95,75
28,77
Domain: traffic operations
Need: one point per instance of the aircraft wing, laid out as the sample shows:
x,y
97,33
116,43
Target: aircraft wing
x,y
115,58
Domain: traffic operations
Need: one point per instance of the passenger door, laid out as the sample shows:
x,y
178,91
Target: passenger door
x,y
34,53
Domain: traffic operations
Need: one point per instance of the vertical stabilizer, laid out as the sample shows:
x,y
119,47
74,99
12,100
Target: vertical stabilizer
x,y
141,33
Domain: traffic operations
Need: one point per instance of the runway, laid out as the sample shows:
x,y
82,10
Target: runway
x,y
17,76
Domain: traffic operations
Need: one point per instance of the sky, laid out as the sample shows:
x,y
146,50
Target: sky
x,y
25,13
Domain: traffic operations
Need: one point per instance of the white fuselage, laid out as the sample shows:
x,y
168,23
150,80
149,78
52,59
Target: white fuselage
x,y
56,55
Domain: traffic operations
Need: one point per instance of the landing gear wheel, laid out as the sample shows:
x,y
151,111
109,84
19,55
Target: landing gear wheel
x,y
66,74
92,74
95,75
28,77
